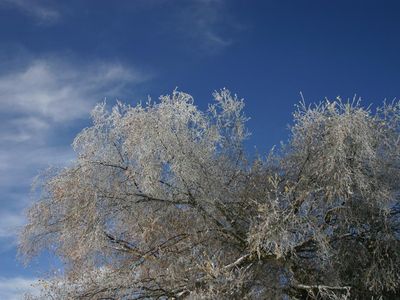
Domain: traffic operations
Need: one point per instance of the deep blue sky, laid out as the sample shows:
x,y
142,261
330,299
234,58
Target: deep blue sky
x,y
57,59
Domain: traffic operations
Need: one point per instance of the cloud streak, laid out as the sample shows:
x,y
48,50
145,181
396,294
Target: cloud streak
x,y
42,97
15,288
35,9
38,101
60,91
210,24
10,224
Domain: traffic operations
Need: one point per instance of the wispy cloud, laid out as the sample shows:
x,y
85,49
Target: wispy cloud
x,y
14,288
36,9
22,129
10,223
38,102
20,164
60,90
209,23
44,95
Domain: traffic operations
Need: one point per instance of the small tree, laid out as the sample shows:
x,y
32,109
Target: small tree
x,y
162,202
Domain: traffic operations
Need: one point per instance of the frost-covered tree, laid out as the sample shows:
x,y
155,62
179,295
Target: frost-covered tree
x,y
162,202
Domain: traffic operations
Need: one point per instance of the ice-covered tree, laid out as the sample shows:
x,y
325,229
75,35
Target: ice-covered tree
x,y
162,202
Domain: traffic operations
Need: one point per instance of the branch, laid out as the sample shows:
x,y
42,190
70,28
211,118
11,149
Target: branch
x,y
237,262
145,198
321,287
108,165
150,198
125,246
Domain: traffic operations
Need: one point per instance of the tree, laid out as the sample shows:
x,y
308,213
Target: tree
x,y
163,202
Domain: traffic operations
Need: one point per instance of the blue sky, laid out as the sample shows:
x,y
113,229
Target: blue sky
x,y
58,58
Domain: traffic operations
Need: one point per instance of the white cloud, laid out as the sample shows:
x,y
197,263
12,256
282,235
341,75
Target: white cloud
x,y
209,24
62,91
14,288
36,102
216,40
19,165
22,129
35,9
40,98
10,223
18,168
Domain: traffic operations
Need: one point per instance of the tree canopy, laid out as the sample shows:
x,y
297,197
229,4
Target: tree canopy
x,y
164,202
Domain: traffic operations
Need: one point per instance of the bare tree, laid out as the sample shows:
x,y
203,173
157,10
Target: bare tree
x,y
163,203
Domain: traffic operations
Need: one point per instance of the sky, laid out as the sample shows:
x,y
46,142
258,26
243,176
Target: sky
x,y
59,58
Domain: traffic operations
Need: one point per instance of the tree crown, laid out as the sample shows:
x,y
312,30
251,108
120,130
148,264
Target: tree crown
x,y
162,202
